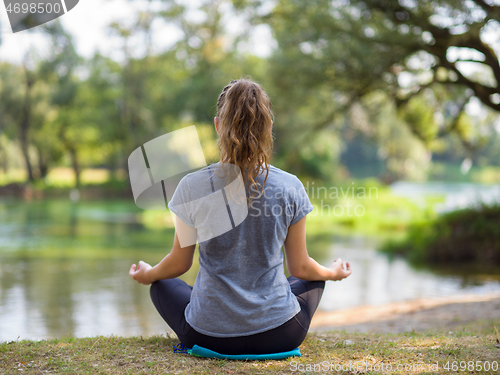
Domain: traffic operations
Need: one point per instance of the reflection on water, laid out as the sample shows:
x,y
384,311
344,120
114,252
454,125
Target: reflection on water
x,y
55,298
64,271
377,280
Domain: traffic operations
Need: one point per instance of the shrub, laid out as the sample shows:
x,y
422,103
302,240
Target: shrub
x,y
471,234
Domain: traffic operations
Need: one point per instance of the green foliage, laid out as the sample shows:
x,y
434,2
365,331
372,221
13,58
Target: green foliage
x,y
364,206
358,88
345,51
467,235
420,117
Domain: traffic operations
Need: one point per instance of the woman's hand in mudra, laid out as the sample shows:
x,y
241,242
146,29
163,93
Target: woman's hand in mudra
x,y
140,274
338,269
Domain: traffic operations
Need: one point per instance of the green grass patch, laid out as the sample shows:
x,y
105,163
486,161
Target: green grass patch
x,y
367,207
321,352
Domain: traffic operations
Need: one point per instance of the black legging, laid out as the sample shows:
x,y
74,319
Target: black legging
x,y
171,296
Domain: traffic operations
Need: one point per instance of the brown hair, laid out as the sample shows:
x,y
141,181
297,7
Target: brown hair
x,y
245,129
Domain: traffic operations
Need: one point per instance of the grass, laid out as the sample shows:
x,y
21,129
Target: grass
x,y
368,207
63,177
95,182
322,352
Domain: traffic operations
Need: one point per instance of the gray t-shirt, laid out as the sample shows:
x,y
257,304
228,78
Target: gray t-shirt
x,y
241,288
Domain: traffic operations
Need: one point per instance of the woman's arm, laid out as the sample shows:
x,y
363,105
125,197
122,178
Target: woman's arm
x,y
301,265
178,262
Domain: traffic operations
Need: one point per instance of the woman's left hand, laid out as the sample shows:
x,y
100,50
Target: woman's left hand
x,y
140,274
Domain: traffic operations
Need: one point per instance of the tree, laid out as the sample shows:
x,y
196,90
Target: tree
x,y
20,112
438,28
402,47
331,54
208,56
11,98
99,98
59,71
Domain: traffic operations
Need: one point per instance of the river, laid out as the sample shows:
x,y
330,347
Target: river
x,y
64,267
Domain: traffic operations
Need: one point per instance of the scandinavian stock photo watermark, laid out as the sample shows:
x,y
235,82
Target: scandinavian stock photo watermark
x,y
348,199
326,201
364,366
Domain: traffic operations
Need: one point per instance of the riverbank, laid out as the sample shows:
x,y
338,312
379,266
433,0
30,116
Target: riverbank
x,y
29,192
431,346
420,315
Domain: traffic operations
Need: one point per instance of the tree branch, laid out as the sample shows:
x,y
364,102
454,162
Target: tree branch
x,y
454,124
470,60
444,39
492,11
475,42
312,130
401,101
481,91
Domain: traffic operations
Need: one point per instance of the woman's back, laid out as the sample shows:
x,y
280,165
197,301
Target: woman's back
x,y
241,301
241,287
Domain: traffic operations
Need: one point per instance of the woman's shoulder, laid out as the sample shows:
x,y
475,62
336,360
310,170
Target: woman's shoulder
x,y
279,171
281,174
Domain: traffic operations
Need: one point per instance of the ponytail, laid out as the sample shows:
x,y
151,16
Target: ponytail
x,y
245,129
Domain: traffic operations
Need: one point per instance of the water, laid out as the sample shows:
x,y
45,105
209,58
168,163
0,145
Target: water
x,y
378,280
456,195
64,271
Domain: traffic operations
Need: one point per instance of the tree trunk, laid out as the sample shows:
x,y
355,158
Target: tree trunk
x,y
76,166
25,125
4,160
112,167
42,164
73,152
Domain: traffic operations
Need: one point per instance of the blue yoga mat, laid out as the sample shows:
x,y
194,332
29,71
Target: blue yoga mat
x,y
199,351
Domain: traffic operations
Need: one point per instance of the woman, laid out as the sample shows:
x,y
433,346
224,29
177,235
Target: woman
x,y
242,302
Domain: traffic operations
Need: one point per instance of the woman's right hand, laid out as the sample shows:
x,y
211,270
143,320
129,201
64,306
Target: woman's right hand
x,y
338,269
140,273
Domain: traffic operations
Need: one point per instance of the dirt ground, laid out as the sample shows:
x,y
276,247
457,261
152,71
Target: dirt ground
x,y
419,315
